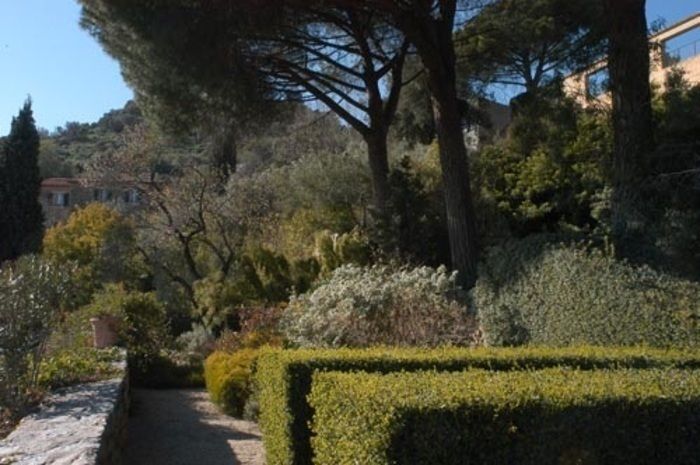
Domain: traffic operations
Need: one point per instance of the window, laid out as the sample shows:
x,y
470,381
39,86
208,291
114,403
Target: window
x,y
131,196
59,199
102,195
597,83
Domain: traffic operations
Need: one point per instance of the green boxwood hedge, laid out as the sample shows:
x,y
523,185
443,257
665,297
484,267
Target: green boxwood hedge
x,y
227,379
283,378
553,416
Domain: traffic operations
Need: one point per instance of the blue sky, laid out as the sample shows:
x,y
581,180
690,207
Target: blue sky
x,y
44,53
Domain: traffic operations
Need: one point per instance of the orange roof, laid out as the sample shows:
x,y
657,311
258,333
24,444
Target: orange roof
x,y
60,182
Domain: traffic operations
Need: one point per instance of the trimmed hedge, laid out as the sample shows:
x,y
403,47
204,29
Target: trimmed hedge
x,y
553,416
283,378
227,378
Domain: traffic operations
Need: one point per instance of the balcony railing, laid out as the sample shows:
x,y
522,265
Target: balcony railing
x,y
682,53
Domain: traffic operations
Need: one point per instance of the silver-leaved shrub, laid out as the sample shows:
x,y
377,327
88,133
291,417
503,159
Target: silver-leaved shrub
x,y
31,293
380,305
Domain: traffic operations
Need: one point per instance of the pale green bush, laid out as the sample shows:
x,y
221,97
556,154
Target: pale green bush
x,y
379,305
533,291
334,250
31,292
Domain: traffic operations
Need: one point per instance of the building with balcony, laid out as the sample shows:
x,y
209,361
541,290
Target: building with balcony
x,y
677,46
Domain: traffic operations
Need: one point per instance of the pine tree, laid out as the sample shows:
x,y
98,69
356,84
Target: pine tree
x,y
21,217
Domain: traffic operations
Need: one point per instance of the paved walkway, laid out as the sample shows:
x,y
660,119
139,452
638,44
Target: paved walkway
x,y
181,427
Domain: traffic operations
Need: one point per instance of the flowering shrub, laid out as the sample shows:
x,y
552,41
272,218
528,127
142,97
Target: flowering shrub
x,y
380,305
31,292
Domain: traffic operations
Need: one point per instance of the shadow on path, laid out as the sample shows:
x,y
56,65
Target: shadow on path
x,y
181,427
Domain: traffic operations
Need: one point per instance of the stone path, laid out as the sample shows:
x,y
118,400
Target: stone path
x,y
181,427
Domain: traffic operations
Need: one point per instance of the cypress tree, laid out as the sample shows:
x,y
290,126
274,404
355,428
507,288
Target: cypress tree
x,y
21,216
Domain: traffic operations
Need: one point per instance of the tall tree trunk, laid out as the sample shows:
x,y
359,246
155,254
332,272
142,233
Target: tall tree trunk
x,y
455,176
628,64
378,156
434,43
224,153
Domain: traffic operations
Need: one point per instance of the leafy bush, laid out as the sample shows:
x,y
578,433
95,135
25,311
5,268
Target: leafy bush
x,y
171,370
197,342
550,168
31,292
296,235
640,417
284,378
100,241
144,330
227,377
379,305
234,390
415,227
263,278
334,250
532,291
76,366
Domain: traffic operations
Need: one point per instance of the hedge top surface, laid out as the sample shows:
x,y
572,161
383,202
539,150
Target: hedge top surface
x,y
627,356
552,386
361,417
283,377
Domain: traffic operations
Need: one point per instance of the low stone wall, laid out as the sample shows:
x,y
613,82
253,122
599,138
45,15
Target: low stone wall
x,y
79,425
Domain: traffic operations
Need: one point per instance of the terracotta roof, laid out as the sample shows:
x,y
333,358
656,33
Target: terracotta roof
x,y
60,182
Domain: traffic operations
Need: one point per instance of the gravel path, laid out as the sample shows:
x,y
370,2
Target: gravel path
x,y
181,427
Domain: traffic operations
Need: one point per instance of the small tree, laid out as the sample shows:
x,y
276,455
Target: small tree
x,y
21,221
100,241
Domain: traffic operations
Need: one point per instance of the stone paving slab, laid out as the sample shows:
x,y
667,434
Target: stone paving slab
x,y
182,427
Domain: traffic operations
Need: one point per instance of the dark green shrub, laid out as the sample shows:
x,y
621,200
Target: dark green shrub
x,y
170,370
553,416
550,168
228,371
144,330
414,228
227,378
534,292
283,378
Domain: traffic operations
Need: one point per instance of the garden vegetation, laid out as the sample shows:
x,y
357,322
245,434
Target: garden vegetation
x,y
336,274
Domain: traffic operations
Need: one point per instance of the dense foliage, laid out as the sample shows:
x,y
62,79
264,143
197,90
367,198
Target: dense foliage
x,y
538,292
31,296
284,378
100,241
266,221
21,222
227,378
66,151
359,307
525,417
550,170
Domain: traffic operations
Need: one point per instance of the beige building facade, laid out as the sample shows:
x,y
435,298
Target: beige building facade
x,y
60,196
668,51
